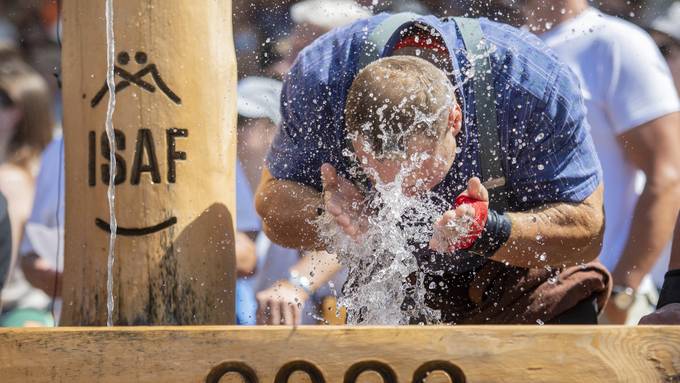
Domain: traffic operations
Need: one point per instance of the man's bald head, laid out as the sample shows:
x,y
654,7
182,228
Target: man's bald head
x,y
396,98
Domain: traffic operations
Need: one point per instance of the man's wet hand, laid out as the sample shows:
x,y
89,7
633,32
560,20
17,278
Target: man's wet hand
x,y
460,227
343,201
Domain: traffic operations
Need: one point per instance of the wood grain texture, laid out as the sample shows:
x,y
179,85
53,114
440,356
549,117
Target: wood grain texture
x,y
176,69
584,354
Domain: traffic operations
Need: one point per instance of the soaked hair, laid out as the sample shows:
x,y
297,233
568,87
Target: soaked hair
x,y
396,98
25,89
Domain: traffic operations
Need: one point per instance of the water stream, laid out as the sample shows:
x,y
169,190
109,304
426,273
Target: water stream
x,y
384,285
110,133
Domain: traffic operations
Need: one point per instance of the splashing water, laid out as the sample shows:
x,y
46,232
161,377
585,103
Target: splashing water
x,y
385,284
110,133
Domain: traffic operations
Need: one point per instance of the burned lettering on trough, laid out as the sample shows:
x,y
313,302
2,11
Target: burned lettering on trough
x,y
173,154
146,145
246,373
121,171
286,371
136,78
135,231
144,159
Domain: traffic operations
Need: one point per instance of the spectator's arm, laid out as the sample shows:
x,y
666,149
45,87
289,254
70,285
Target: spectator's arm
x,y
566,233
18,188
246,259
653,148
282,302
41,274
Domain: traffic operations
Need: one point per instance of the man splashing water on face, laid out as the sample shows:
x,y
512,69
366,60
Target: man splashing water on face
x,y
419,118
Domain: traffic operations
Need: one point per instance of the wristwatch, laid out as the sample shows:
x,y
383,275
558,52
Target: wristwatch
x,y
300,281
623,297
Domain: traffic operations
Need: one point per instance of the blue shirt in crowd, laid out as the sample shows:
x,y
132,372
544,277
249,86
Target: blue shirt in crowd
x,y
549,154
247,220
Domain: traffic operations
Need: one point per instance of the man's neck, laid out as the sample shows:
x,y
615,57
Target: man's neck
x,y
541,16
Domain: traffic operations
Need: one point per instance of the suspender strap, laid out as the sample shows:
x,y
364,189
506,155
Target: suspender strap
x,y
489,146
377,39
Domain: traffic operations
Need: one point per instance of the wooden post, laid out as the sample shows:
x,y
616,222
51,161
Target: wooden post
x,y
175,123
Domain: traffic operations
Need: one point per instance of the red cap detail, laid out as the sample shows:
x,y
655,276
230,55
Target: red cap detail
x,y
421,41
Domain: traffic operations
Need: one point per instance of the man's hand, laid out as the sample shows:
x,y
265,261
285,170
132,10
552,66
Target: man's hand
x,y
669,314
281,304
457,227
344,202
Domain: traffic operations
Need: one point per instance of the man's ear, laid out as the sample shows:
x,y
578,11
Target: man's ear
x,y
455,120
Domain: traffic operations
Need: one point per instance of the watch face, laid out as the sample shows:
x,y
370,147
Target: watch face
x,y
623,301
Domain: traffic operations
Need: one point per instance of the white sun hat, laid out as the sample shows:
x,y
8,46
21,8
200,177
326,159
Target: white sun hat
x,y
259,97
328,14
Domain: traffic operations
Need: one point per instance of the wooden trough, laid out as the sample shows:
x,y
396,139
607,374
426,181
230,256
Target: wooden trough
x,y
584,354
180,156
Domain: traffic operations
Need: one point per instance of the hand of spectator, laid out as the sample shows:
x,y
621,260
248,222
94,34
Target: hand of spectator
x,y
344,202
281,304
669,314
460,227
246,258
613,314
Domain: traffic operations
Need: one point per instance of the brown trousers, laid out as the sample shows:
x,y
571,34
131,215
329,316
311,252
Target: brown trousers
x,y
499,294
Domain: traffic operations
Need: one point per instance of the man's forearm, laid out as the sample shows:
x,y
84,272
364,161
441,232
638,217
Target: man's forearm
x,y
562,234
287,210
651,229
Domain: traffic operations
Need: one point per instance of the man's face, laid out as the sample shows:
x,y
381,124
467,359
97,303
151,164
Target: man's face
x,y
424,164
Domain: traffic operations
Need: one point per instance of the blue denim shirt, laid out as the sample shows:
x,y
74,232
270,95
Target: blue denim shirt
x,y
549,154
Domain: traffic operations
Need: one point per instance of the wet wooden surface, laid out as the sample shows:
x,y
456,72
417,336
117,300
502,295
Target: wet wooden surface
x,y
582,354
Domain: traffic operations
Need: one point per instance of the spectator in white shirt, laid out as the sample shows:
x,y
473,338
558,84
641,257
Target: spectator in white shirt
x,y
633,111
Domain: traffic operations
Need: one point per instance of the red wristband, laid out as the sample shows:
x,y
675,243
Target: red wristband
x,y
476,229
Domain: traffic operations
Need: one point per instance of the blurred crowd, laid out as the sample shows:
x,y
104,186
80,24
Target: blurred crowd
x,y
268,35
